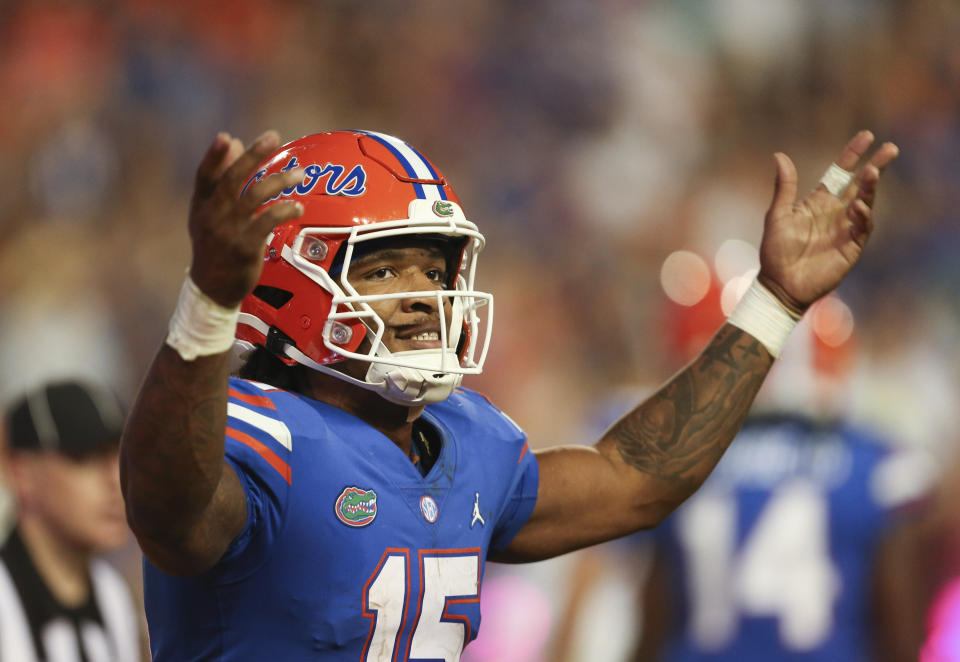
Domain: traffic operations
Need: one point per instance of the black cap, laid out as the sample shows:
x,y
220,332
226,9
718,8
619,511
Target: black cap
x,y
76,418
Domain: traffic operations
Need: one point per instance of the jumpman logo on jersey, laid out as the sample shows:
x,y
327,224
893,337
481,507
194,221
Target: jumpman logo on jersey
x,y
476,511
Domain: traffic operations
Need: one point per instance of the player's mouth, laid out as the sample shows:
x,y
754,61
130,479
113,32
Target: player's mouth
x,y
423,336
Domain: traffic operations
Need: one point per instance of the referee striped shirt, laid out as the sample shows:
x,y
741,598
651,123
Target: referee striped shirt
x,y
35,627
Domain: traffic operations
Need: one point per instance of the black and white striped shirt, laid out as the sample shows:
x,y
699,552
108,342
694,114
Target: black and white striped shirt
x,y
35,627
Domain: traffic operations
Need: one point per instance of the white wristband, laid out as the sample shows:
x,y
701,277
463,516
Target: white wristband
x,y
200,326
761,314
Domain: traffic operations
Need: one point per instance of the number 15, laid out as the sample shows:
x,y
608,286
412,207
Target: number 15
x,y
447,577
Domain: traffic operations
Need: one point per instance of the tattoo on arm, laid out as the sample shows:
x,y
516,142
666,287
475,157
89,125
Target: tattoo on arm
x,y
172,451
680,433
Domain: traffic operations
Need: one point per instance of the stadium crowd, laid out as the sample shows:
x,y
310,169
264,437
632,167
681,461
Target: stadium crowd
x,y
601,136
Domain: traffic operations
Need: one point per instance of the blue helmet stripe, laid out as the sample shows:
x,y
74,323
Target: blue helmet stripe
x,y
410,165
433,173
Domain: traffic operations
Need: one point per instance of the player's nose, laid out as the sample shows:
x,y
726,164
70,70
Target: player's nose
x,y
425,300
420,304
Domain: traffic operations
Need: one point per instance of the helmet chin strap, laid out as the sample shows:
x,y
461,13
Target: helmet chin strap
x,y
402,385
405,385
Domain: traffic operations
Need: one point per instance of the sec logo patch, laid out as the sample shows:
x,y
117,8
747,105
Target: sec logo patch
x,y
429,508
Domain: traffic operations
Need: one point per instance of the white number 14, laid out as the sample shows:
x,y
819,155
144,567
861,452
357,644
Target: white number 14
x,y
783,568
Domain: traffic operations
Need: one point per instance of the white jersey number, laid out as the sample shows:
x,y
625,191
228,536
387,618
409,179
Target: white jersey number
x,y
782,569
446,577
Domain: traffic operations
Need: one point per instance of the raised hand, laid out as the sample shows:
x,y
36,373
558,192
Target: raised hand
x,y
808,246
227,233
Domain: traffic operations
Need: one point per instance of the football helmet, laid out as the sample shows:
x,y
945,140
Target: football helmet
x,y
362,189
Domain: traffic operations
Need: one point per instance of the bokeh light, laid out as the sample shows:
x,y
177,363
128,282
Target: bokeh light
x,y
685,277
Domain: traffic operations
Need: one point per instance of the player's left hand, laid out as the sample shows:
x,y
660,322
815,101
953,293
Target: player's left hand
x,y
808,246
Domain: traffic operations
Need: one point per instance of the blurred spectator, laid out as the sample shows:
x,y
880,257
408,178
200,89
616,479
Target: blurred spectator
x,y
58,602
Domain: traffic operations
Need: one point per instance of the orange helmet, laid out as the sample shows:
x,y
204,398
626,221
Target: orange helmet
x,y
359,189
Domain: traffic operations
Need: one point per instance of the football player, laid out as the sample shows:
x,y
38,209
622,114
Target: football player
x,y
339,500
803,543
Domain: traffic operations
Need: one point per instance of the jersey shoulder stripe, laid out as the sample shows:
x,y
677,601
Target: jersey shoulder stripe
x,y
259,385
253,400
523,451
275,429
264,451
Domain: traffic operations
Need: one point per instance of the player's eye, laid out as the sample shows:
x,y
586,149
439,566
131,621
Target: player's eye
x,y
381,273
437,275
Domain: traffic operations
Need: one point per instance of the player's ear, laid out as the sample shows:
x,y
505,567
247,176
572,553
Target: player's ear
x,y
20,471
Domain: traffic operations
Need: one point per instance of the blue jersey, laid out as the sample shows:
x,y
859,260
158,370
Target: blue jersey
x,y
349,553
773,556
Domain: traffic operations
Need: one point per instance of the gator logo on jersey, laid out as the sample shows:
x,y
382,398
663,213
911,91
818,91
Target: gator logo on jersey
x,y
356,507
443,208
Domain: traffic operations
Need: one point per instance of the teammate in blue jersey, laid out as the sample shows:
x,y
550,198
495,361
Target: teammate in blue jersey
x,y
338,500
802,544
781,555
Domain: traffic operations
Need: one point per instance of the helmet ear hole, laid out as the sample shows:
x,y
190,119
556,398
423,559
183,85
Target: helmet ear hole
x,y
273,296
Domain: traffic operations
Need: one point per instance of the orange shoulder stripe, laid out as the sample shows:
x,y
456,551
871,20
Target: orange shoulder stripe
x,y
255,400
272,458
523,451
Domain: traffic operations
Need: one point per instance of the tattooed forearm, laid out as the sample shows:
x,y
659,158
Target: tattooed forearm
x,y
679,433
173,445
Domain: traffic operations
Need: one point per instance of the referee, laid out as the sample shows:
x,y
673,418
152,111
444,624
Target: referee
x,y
58,603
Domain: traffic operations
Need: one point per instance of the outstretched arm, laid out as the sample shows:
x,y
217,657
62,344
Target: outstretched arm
x,y
184,502
659,453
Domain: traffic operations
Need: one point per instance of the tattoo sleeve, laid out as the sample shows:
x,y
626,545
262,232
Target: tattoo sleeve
x,y
679,434
172,452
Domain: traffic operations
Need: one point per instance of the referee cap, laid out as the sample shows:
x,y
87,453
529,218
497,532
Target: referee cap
x,y
76,418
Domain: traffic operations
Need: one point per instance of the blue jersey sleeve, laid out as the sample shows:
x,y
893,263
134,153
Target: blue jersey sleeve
x,y
258,447
519,505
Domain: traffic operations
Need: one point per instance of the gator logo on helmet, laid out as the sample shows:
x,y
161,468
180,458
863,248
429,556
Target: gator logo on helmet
x,y
356,507
443,208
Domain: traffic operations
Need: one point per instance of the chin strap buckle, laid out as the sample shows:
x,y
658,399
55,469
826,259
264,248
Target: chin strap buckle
x,y
277,342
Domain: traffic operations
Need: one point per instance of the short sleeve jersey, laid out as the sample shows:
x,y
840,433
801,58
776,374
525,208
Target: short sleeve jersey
x,y
773,554
349,553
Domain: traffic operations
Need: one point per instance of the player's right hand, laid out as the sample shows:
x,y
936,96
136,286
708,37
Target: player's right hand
x,y
227,232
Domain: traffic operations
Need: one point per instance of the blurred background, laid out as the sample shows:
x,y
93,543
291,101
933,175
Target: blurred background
x,y
590,141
